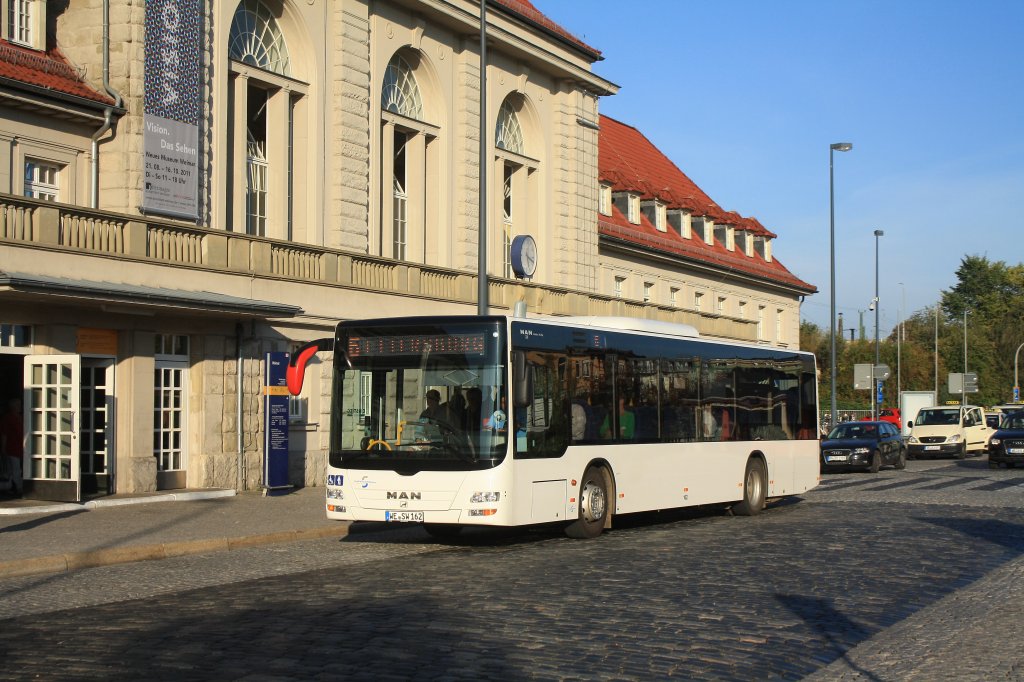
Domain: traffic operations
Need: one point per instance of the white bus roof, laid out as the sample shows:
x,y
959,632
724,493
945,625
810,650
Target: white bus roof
x,y
624,323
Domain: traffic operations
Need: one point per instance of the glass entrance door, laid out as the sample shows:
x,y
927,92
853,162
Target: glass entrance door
x,y
51,464
97,429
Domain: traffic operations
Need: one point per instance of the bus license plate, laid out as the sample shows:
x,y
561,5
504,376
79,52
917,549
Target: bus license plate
x,y
404,516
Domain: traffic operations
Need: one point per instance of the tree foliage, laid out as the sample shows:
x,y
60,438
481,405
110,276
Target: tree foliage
x,y
929,345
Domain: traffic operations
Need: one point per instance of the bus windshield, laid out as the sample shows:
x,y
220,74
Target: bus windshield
x,y
429,397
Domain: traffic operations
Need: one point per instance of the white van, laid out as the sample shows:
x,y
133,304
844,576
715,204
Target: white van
x,y
948,430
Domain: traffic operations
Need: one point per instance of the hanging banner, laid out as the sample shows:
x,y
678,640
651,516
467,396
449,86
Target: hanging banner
x,y
173,97
275,422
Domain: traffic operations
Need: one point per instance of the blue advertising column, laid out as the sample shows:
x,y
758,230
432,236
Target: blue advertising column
x,y
275,420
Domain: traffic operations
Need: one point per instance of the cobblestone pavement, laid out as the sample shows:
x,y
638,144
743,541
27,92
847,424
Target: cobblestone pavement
x,y
891,576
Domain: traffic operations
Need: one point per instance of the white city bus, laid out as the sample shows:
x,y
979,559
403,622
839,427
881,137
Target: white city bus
x,y
558,420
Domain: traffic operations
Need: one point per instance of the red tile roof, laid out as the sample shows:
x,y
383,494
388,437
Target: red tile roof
x,y
525,9
48,70
629,162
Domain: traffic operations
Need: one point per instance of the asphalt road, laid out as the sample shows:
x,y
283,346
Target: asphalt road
x,y
819,585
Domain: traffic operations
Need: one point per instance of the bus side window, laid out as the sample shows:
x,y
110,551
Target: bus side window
x,y
543,424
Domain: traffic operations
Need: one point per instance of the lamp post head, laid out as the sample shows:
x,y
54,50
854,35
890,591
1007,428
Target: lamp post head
x,y
841,146
879,233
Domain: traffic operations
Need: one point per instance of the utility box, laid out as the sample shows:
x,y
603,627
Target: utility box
x,y
911,403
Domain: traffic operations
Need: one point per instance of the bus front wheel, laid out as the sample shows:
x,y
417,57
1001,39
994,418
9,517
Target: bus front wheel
x,y
593,506
755,484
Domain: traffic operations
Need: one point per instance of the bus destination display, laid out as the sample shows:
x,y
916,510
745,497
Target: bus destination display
x,y
466,344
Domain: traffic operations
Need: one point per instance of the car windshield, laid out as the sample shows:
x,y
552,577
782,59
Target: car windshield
x,y
854,432
938,417
1014,421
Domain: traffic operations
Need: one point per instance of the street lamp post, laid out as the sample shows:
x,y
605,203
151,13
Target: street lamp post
x,y
874,398
1016,386
832,148
963,383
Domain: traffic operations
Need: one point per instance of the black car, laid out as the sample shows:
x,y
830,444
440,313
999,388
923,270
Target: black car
x,y
1007,444
863,445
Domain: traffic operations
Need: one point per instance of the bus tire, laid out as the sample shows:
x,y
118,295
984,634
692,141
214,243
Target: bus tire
x,y
442,531
593,505
755,484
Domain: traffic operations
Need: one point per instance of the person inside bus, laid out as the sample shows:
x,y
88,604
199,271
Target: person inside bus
x,y
435,411
627,422
472,419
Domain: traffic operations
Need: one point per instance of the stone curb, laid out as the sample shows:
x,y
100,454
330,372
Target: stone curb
x,y
62,563
116,502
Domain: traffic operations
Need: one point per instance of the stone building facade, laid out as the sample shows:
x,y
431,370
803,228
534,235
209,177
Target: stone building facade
x,y
335,174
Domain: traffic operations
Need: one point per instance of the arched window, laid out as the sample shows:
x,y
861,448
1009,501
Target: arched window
x,y
407,148
256,39
400,93
266,93
514,169
509,134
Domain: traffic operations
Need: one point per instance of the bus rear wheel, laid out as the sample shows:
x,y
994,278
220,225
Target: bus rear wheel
x,y
755,485
593,506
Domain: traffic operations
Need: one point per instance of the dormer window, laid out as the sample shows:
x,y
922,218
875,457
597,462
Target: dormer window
x,y
629,204
633,212
705,227
725,234
763,246
679,220
25,23
657,213
745,242
605,199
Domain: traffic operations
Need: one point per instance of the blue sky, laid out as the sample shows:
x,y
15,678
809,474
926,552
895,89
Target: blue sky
x,y
745,97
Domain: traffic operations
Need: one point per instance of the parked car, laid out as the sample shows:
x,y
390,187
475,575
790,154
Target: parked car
x,y
992,419
888,414
863,445
948,430
1007,444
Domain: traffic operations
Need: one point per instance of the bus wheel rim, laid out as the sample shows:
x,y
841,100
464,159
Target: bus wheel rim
x,y
593,502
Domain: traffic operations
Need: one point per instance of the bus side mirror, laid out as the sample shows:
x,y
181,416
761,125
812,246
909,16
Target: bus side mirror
x,y
296,371
522,380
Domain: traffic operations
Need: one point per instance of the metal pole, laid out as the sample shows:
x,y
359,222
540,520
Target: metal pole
x,y
1016,356
963,384
936,352
832,282
878,305
482,307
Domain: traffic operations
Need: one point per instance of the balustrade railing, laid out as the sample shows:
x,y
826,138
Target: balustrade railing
x,y
73,228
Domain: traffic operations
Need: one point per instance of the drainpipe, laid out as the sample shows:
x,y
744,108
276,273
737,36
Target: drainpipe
x,y
108,112
240,483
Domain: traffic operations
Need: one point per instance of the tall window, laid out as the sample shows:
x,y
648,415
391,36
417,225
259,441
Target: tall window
x,y
400,237
508,136
405,142
697,300
648,291
506,222
41,180
169,409
265,94
605,200
673,296
20,16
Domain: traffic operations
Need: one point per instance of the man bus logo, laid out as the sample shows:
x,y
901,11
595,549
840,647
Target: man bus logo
x,y
404,496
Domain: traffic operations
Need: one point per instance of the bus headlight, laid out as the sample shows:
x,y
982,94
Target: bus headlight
x,y
484,497
335,494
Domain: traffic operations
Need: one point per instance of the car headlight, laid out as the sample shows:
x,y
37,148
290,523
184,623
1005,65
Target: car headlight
x,y
994,441
861,451
954,439
913,440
